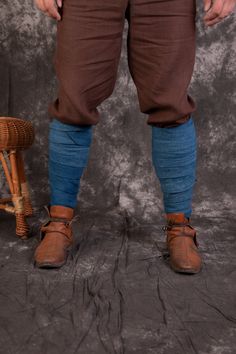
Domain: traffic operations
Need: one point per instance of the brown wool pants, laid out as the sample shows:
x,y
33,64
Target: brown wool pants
x,y
161,56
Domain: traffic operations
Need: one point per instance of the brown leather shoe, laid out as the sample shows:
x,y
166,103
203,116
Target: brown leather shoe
x,y
56,237
182,244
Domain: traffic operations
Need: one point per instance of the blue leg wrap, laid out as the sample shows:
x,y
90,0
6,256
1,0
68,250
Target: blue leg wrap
x,y
68,155
174,159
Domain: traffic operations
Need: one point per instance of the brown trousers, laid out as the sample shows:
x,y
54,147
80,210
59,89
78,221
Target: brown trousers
x,y
161,56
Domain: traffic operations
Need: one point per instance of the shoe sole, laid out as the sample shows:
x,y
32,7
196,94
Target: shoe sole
x,y
186,271
49,265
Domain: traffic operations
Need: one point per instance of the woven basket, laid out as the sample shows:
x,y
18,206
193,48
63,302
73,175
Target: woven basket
x,y
15,133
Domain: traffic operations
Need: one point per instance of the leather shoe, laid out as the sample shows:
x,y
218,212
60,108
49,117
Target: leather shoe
x,y
56,237
182,244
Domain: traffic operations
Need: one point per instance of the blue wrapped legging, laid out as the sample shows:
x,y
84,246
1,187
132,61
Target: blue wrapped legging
x,y
68,155
173,156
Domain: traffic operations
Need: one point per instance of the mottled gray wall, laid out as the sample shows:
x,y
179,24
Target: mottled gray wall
x,y
120,168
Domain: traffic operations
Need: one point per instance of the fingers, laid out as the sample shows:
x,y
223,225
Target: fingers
x,y
218,11
214,12
59,3
50,8
39,4
207,4
47,13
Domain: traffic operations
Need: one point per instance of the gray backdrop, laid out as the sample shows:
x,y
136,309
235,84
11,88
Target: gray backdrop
x,y
117,293
120,170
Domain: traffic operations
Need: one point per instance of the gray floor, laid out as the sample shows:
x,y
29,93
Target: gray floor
x,y
116,293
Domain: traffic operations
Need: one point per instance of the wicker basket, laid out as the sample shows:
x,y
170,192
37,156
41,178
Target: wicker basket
x,y
16,134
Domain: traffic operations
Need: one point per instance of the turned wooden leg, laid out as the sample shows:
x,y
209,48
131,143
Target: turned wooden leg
x,y
22,228
28,209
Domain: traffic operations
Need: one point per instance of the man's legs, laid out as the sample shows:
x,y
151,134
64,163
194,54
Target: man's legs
x,y
161,56
89,38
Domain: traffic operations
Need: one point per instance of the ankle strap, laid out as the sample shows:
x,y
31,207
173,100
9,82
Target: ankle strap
x,y
64,220
171,224
58,219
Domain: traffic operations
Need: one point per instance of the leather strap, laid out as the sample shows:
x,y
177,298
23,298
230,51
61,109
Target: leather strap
x,y
64,220
67,222
171,225
48,231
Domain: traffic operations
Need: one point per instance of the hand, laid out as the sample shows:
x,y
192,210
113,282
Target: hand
x,y
50,7
217,10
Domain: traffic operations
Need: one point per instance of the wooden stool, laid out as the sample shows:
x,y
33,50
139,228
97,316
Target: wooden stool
x,y
16,135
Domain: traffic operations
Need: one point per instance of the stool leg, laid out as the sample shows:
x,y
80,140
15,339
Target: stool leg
x,y
22,228
6,171
4,201
28,209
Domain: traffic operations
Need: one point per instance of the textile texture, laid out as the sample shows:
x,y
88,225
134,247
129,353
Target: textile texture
x,y
89,39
